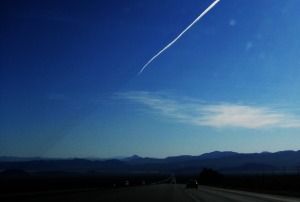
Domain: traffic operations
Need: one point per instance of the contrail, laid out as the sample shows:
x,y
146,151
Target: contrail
x,y
186,29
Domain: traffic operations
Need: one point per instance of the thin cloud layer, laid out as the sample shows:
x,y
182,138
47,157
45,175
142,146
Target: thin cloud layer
x,y
212,115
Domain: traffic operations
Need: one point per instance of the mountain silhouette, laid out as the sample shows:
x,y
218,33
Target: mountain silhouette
x,y
221,161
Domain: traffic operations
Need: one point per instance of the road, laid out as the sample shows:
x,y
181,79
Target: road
x,y
151,193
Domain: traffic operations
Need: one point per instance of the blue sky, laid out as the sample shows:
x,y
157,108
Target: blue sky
x,y
69,82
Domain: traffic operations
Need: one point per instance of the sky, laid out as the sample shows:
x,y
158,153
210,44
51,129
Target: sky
x,y
70,83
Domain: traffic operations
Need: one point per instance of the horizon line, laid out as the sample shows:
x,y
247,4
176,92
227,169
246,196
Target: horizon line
x,y
124,157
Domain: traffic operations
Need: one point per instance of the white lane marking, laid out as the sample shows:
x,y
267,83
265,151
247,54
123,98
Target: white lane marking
x,y
192,196
255,194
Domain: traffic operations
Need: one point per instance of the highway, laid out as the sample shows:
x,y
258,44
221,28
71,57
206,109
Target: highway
x,y
149,193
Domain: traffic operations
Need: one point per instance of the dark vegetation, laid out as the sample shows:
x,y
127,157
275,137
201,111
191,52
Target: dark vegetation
x,y
209,176
285,184
278,184
18,181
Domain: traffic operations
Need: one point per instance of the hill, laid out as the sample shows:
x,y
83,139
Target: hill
x,y
230,162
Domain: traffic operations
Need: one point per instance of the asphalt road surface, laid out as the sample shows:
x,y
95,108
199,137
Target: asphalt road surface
x,y
151,193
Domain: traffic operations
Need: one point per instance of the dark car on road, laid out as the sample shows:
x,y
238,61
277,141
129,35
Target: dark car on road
x,y
192,184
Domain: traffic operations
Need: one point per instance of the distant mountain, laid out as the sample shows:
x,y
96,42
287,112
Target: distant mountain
x,y
80,165
250,167
20,159
222,161
278,161
133,157
14,172
225,161
213,155
145,160
179,158
217,154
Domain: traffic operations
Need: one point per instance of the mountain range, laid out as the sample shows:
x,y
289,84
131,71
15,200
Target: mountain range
x,y
227,162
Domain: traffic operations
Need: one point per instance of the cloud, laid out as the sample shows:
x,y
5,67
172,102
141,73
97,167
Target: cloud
x,y
239,116
213,115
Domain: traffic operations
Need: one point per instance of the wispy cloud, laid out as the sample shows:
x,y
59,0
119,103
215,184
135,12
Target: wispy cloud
x,y
213,115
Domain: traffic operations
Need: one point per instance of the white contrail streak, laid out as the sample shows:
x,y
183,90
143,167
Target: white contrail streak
x,y
186,29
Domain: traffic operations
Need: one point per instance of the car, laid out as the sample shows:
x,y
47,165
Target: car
x,y
192,184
